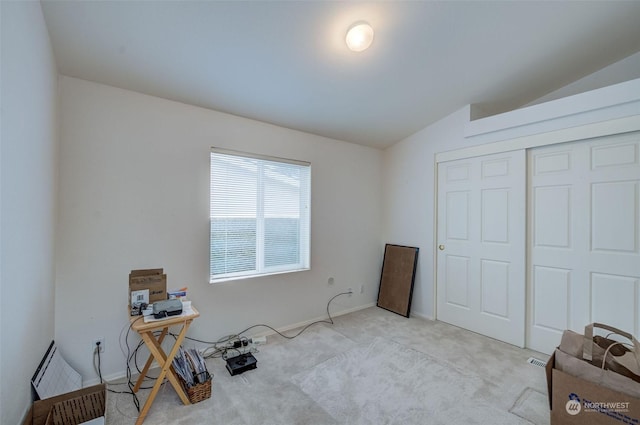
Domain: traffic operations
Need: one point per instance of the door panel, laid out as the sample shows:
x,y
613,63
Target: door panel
x,y
552,218
613,300
495,215
481,253
457,281
613,226
457,224
551,290
494,282
584,233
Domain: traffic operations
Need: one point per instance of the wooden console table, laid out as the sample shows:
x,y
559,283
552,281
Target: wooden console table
x,y
146,331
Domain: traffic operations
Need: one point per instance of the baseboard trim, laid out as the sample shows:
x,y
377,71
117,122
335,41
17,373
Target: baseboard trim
x,y
422,316
308,322
113,377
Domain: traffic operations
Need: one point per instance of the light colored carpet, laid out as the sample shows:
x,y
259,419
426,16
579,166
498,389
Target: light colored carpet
x,y
388,383
530,406
371,367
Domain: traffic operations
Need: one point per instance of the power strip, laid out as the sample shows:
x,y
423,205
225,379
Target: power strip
x,y
230,350
258,340
233,352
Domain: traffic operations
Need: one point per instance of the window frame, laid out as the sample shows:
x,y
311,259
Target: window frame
x,y
304,237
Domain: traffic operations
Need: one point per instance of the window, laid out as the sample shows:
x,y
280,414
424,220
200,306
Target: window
x,y
259,215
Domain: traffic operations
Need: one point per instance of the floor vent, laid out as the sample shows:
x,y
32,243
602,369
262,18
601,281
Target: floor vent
x,y
536,362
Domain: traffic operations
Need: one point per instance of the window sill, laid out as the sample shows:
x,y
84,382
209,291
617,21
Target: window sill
x,y
253,276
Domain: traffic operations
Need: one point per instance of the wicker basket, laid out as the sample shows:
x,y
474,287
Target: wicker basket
x,y
198,392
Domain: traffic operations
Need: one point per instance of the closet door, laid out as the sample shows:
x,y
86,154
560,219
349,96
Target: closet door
x,y
481,245
584,238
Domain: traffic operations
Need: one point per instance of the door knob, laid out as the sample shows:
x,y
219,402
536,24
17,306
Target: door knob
x,y
441,247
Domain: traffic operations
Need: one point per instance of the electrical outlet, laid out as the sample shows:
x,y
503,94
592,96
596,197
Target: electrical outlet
x,y
350,291
95,342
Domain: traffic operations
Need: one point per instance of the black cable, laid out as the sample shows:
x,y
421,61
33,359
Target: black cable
x,y
98,368
136,402
221,351
99,365
134,356
330,321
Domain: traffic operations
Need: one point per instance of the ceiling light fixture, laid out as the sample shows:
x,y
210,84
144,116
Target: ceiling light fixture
x,y
359,36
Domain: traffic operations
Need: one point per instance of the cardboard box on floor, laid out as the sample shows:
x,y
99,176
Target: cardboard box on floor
x,y
574,401
152,279
71,408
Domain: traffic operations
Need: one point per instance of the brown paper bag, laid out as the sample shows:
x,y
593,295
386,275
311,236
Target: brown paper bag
x,y
584,370
611,354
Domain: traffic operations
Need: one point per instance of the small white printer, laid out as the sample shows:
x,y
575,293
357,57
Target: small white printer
x,y
167,308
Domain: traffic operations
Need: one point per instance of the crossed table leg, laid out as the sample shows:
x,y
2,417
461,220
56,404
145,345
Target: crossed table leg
x,y
164,361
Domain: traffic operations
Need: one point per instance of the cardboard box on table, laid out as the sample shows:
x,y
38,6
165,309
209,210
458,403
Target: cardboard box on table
x,y
575,401
152,279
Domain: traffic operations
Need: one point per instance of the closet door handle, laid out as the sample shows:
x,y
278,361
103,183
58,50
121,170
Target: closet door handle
x,y
441,247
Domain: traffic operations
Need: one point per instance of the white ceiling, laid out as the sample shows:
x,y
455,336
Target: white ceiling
x,y
286,63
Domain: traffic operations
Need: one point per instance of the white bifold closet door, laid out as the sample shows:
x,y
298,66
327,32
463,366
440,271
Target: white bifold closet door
x,y
481,245
584,237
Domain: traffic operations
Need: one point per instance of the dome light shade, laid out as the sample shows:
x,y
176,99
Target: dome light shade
x,y
359,36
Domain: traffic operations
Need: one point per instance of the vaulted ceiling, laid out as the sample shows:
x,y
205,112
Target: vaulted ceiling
x,y
286,62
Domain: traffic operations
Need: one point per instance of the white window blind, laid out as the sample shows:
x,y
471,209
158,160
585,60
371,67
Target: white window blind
x,y
259,213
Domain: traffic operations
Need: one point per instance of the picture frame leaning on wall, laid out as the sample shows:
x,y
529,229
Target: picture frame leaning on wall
x,y
397,278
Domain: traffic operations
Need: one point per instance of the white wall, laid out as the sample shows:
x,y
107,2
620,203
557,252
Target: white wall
x,y
409,197
28,202
624,70
134,187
